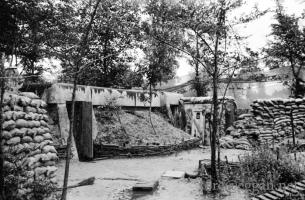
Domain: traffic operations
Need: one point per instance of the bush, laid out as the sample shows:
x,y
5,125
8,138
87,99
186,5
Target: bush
x,y
261,171
37,190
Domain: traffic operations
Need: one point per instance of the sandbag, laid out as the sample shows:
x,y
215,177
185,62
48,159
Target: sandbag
x,y
48,148
35,152
43,123
51,170
6,108
13,141
8,125
17,108
36,123
41,111
6,135
31,132
31,124
47,136
17,132
8,115
19,149
24,101
35,103
38,139
49,163
18,115
21,123
29,109
27,139
40,170
30,95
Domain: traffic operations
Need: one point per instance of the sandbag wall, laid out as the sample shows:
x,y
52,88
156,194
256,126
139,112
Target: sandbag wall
x,y
271,119
280,113
27,142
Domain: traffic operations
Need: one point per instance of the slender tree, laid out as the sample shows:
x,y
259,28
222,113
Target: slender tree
x,y
216,33
82,50
287,48
2,85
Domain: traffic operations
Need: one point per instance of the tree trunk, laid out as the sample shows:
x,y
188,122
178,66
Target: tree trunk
x,y
69,142
2,194
198,85
81,49
214,131
150,101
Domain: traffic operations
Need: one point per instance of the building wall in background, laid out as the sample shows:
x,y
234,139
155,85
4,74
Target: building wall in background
x,y
245,93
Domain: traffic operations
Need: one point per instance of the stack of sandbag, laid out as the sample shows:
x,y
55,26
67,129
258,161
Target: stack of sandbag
x,y
245,125
28,147
228,142
279,113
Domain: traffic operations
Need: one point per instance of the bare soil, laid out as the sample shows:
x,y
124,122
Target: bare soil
x,y
115,177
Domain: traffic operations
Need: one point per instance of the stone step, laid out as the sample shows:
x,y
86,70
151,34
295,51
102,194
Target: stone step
x,y
291,190
146,186
297,188
301,185
270,196
277,194
284,192
262,197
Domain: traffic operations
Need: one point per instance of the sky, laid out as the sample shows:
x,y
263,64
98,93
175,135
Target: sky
x,y
258,31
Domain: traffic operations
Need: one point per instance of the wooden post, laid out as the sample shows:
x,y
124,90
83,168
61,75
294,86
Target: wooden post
x,y
83,130
292,128
203,134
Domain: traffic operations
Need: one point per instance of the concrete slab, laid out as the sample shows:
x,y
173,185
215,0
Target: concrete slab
x,y
146,186
174,174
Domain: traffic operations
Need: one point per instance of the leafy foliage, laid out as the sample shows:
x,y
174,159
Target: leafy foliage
x,y
160,58
261,171
25,33
287,48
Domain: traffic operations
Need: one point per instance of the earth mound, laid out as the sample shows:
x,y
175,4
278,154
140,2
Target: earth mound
x,y
134,128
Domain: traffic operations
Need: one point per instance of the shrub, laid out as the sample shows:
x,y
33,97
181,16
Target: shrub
x,y
36,190
261,171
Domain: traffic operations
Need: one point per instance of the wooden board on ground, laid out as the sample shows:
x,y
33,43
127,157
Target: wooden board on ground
x,y
174,174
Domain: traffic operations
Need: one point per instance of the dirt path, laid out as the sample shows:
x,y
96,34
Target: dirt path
x,y
141,169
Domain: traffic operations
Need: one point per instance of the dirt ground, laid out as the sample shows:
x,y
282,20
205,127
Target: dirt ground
x,y
115,177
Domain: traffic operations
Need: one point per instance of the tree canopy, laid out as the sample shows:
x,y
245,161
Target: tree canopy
x,y
287,48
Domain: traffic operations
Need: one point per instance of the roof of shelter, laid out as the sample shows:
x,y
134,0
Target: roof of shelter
x,y
203,100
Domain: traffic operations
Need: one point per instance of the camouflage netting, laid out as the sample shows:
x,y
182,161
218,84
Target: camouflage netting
x,y
270,120
27,143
